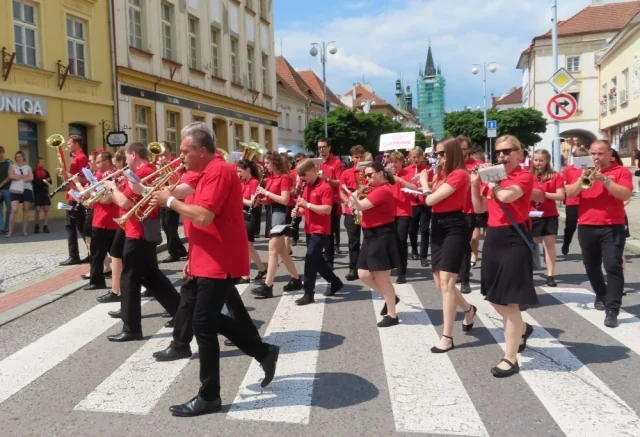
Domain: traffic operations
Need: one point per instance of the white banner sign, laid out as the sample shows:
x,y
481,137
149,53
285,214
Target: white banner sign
x,y
397,141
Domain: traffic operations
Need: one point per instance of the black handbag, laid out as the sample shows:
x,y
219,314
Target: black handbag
x,y
530,244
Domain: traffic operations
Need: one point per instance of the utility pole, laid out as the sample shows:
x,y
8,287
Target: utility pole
x,y
554,54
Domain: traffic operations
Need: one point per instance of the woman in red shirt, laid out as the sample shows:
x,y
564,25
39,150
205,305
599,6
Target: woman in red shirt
x,y
276,195
250,180
548,188
449,235
379,253
507,264
403,211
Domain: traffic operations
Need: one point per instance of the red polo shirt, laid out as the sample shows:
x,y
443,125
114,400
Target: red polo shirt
x,y
551,185
318,193
133,227
249,188
597,206
190,178
520,208
277,184
411,173
332,168
458,179
104,213
350,178
220,249
78,162
384,207
470,163
403,199
571,174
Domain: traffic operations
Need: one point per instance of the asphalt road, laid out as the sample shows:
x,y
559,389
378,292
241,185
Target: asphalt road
x,y
338,374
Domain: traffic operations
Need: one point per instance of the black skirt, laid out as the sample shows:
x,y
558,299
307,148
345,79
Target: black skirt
x,y
117,246
41,198
507,268
481,220
379,251
253,224
543,226
449,239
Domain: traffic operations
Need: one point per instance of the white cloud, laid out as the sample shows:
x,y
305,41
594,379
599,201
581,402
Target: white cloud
x,y
382,45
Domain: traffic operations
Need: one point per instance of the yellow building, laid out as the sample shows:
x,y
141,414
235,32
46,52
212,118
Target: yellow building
x,y
57,76
619,78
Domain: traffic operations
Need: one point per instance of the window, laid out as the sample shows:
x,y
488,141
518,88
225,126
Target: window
x,y
193,42
135,24
237,131
300,123
250,77
25,32
573,64
215,52
576,96
625,79
287,123
76,47
171,129
167,23
265,74
255,134
142,124
234,60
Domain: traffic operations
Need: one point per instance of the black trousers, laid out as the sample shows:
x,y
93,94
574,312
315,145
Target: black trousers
x,y
604,245
420,222
170,222
183,328
74,224
101,241
140,267
465,267
329,248
314,263
402,227
353,239
570,223
208,321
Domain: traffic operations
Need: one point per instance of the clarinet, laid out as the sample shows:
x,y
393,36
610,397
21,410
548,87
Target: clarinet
x,y
294,212
254,202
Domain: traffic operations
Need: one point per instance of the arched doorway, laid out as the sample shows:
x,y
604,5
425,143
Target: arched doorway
x,y
78,129
585,138
219,126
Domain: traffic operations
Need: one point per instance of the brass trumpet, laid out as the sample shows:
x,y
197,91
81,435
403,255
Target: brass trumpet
x,y
156,148
56,141
586,180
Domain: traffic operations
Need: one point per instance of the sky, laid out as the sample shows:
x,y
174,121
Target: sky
x,y
381,39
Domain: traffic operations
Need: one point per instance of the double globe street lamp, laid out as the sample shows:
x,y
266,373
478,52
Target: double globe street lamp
x,y
323,49
492,67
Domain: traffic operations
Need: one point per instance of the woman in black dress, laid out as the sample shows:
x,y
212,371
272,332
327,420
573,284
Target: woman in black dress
x,y
250,178
41,184
507,264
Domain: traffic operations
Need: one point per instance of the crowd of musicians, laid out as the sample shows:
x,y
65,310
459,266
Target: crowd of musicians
x,y
405,202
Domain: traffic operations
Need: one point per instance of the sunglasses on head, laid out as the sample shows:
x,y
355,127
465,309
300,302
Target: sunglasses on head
x,y
504,151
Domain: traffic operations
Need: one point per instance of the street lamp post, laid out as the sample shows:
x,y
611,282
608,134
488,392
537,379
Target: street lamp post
x,y
322,49
475,70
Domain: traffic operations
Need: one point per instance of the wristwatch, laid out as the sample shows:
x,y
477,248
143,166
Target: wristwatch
x,y
606,180
496,188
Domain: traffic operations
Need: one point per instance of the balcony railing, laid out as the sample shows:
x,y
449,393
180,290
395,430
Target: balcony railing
x,y
603,109
624,97
613,102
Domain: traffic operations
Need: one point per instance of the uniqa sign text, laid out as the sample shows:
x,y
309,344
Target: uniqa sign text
x,y
22,105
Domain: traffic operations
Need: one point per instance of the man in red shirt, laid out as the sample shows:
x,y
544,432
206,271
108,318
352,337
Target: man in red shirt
x,y
74,221
317,201
140,259
601,228
469,215
218,258
570,174
171,219
331,171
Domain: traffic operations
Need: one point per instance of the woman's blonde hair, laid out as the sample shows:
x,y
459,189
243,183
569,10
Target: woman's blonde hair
x,y
547,172
515,142
396,156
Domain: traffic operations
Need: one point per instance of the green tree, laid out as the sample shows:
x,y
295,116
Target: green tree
x,y
524,123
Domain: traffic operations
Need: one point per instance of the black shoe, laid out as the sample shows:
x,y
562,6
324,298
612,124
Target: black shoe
x,y
196,407
125,336
36,230
71,262
92,287
467,328
388,321
473,263
294,284
424,262
338,251
333,289
170,259
465,288
527,333
502,373
269,364
306,299
384,310
263,291
172,353
109,297
170,324
611,320
565,248
437,350
165,315
551,281
86,260
294,243
146,293
260,276
244,281
45,229
598,304
229,343
115,314
352,275
402,279
415,257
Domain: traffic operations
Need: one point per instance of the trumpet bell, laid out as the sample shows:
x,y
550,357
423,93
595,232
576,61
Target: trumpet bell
x,y
55,140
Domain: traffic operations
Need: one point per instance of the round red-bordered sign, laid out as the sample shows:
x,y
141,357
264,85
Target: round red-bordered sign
x,y
562,107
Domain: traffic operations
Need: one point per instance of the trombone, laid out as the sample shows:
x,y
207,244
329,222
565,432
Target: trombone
x,y
56,141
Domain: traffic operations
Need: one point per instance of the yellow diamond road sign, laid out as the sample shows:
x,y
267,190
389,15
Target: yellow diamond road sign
x,y
561,80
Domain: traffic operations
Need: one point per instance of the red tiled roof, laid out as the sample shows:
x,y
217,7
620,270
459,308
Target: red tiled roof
x,y
316,85
609,17
363,94
515,96
293,83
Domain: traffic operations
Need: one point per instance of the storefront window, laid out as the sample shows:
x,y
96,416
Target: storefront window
x,y
28,141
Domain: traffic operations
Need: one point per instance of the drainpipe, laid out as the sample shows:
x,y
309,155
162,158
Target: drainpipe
x,y
114,79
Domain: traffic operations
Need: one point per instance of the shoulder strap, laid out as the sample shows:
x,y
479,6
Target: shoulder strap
x,y
514,224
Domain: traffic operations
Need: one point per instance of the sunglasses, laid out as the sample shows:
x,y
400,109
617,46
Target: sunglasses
x,y
440,153
505,152
369,175
323,147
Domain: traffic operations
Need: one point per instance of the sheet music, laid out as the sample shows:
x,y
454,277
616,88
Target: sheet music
x,y
278,229
495,173
583,162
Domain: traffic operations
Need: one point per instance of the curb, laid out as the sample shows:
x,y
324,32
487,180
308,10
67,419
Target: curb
x,y
632,246
39,302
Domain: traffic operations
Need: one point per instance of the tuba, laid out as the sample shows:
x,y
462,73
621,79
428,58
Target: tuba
x,y
156,149
56,141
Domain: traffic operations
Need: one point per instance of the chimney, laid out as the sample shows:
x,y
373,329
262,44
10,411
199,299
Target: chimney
x,y
355,94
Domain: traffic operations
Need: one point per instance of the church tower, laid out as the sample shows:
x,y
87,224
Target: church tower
x,y
431,92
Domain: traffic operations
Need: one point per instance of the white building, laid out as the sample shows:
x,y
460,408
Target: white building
x,y
509,100
579,38
184,60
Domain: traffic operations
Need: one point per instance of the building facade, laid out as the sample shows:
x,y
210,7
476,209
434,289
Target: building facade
x,y
619,68
579,39
509,100
180,61
431,86
57,77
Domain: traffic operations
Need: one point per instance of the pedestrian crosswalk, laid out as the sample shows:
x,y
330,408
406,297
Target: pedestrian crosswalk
x,y
419,392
